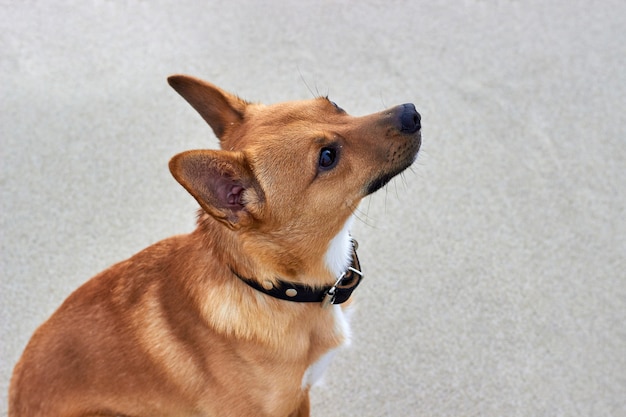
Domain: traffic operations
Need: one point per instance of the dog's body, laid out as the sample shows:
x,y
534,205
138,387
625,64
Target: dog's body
x,y
179,329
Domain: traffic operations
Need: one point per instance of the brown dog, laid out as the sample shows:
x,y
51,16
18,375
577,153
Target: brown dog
x,y
239,317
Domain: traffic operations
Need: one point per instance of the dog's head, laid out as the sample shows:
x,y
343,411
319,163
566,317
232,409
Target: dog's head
x,y
294,170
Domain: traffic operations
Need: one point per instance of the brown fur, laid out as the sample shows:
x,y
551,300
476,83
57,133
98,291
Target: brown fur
x,y
171,331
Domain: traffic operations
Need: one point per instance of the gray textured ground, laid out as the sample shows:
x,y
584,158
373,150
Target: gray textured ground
x,y
496,281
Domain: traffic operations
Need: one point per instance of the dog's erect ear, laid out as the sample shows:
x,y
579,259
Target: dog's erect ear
x,y
222,182
220,109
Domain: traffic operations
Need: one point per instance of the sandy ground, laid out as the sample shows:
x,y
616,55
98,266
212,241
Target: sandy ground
x,y
496,281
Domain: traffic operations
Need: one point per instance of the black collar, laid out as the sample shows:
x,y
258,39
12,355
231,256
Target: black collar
x,y
335,294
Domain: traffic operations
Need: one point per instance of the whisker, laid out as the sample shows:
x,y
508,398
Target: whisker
x,y
365,219
395,185
308,87
382,100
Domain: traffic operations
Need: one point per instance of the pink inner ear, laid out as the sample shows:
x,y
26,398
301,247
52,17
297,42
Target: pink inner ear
x,y
234,196
228,193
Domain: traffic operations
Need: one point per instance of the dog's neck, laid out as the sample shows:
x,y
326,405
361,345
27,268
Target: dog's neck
x,y
337,293
231,318
269,258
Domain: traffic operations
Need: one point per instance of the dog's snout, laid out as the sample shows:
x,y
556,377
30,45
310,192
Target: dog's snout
x,y
410,119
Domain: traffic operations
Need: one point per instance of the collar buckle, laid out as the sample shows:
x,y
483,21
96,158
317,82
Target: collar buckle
x,y
350,276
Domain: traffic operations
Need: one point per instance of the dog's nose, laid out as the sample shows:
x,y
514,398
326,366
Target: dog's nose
x,y
410,119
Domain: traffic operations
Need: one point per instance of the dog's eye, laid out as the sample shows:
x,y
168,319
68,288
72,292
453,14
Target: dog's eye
x,y
328,158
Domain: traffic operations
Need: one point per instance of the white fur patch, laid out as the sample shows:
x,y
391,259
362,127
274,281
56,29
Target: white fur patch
x,y
338,259
339,250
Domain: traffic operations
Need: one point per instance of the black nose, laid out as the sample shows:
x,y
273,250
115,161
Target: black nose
x,y
410,119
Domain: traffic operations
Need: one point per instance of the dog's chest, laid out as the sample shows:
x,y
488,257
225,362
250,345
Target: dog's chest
x,y
316,371
337,259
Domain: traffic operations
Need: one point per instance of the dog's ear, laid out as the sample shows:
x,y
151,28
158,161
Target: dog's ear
x,y
222,182
220,109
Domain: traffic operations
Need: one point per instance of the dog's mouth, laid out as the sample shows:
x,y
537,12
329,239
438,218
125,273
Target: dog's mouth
x,y
384,178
